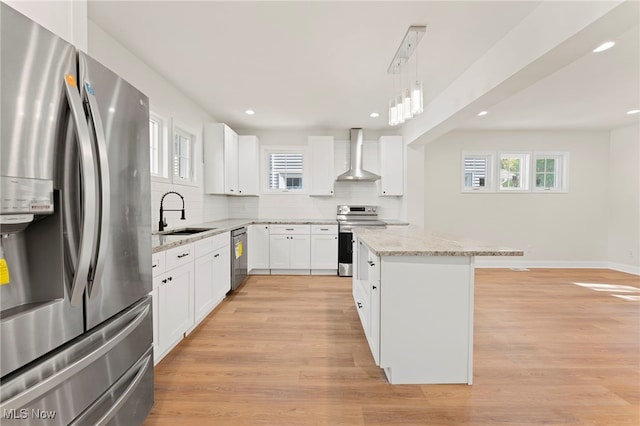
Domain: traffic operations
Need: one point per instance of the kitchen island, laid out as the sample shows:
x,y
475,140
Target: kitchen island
x,y
413,291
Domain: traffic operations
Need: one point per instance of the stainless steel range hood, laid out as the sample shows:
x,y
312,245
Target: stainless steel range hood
x,y
356,172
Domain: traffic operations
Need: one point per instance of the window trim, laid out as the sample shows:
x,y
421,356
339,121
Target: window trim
x,y
264,168
563,173
176,128
525,171
490,178
164,150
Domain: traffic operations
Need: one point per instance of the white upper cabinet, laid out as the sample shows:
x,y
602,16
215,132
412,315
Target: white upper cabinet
x,y
322,165
230,161
248,165
391,158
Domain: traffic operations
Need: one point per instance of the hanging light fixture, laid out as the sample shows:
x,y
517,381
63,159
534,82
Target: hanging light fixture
x,y
409,101
406,99
417,92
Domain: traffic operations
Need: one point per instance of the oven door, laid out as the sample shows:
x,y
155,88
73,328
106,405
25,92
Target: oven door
x,y
345,253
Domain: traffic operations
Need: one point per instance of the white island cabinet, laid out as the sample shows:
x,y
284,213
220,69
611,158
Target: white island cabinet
x,y
414,294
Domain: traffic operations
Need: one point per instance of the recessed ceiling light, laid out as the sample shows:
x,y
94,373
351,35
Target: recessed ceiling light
x,y
481,113
604,46
249,112
633,111
374,115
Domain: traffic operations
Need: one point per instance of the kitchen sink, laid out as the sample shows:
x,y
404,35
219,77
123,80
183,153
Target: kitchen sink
x,y
186,231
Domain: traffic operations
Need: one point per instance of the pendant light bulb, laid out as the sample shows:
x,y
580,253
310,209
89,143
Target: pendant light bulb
x,y
393,113
400,108
406,100
416,98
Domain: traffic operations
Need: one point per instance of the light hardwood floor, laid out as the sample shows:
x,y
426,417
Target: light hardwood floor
x,y
291,351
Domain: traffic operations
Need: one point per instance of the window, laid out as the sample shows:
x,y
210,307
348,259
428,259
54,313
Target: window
x,y
285,169
514,172
183,156
550,171
477,171
158,148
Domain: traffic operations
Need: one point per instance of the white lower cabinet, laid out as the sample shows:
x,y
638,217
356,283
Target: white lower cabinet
x,y
259,251
289,249
324,249
419,327
212,273
221,273
186,290
175,306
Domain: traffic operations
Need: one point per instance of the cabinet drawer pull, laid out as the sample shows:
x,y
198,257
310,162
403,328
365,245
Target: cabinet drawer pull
x,y
324,229
216,255
180,256
154,266
359,305
289,229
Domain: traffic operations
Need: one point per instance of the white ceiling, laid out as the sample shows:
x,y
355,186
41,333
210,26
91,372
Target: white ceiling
x,y
323,65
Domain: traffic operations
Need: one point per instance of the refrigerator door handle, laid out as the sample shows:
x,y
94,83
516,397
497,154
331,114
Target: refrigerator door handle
x,y
49,383
102,234
141,367
83,267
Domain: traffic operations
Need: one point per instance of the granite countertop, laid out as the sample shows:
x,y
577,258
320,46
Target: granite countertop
x,y
161,242
414,241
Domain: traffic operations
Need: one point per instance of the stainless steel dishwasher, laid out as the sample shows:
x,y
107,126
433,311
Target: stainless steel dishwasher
x,y
238,257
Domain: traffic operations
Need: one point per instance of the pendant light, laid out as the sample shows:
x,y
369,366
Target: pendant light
x,y
416,92
407,100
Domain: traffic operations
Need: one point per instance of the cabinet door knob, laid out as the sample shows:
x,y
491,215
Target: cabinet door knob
x,y
374,287
164,281
170,278
216,255
371,263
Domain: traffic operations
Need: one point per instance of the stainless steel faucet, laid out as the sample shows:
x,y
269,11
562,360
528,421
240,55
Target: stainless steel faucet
x,y
163,222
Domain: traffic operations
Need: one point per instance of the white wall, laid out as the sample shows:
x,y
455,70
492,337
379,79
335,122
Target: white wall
x,y
624,200
169,102
304,206
67,19
553,229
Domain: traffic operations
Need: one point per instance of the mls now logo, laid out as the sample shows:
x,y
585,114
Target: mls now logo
x,y
23,413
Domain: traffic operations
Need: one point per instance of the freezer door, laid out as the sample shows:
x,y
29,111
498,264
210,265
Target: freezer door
x,y
119,117
36,315
112,366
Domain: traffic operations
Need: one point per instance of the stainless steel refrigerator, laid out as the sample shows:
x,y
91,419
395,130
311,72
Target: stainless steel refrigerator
x,y
75,226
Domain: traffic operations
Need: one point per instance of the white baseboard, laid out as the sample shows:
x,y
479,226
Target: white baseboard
x,y
622,267
498,262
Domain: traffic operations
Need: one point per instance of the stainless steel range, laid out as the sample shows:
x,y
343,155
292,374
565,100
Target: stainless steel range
x,y
350,217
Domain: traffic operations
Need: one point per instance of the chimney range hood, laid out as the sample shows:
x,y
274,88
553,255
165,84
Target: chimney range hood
x,y
356,172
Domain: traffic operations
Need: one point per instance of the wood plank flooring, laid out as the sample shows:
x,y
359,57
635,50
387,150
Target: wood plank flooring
x,y
291,351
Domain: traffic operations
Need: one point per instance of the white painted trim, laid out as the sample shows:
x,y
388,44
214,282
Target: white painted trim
x,y
622,267
498,262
